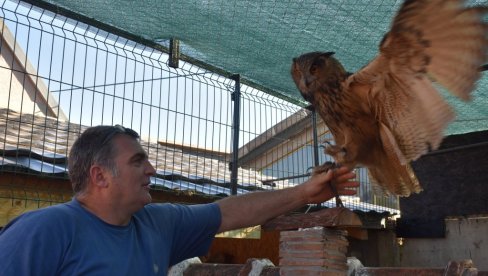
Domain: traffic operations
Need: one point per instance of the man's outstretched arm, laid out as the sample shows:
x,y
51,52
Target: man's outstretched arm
x,y
258,207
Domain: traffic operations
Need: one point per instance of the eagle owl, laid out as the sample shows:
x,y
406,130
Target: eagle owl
x,y
389,113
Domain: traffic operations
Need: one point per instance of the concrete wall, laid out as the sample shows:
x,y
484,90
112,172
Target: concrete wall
x,y
466,238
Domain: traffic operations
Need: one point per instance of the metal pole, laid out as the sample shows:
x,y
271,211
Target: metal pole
x,y
236,97
315,142
174,53
315,139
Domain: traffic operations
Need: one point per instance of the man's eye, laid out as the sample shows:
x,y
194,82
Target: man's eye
x,y
138,162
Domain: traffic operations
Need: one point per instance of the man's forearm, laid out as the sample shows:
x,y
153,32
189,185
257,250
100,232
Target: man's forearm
x,y
258,207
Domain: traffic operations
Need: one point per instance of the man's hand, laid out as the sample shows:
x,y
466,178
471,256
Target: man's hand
x,y
317,188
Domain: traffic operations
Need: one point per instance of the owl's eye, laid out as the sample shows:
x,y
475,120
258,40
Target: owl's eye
x,y
317,63
313,69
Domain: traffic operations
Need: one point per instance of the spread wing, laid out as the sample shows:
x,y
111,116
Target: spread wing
x,y
438,40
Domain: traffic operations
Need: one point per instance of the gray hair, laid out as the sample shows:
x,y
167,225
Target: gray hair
x,y
94,146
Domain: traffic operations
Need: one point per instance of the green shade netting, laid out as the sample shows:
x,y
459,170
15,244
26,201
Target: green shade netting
x,y
258,39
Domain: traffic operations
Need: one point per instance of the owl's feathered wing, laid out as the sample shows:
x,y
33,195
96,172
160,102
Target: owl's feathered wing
x,y
436,40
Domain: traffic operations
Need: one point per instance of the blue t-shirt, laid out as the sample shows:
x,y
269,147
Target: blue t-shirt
x,y
66,239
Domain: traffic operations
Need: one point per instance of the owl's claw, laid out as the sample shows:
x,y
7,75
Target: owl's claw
x,y
323,169
338,153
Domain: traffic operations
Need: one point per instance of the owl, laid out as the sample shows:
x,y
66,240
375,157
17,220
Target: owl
x,y
389,112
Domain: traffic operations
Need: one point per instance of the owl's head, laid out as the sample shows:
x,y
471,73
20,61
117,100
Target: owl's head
x,y
316,70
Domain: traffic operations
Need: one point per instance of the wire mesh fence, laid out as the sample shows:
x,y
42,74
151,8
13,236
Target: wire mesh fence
x,y
60,76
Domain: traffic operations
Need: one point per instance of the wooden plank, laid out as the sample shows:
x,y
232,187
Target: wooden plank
x,y
331,217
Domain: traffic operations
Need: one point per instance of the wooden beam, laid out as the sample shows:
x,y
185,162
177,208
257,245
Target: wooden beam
x,y
331,217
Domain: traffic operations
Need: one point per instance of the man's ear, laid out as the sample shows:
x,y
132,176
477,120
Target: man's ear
x,y
98,176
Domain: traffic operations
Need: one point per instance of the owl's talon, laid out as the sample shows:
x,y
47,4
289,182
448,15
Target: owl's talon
x,y
323,168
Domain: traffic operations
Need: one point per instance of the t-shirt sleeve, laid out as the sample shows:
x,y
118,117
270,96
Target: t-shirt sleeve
x,y
194,228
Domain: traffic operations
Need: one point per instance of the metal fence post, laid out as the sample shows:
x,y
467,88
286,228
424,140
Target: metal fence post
x,y
315,139
315,142
236,97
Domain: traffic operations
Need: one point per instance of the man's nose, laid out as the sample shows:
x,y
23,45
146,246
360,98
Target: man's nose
x,y
150,169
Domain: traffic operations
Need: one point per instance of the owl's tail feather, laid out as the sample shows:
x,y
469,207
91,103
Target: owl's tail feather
x,y
394,180
392,172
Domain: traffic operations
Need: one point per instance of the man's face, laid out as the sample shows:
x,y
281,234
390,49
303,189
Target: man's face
x,y
130,187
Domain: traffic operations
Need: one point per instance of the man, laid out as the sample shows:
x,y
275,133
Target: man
x,y
109,227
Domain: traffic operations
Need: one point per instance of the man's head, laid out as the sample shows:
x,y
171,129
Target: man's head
x,y
94,147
